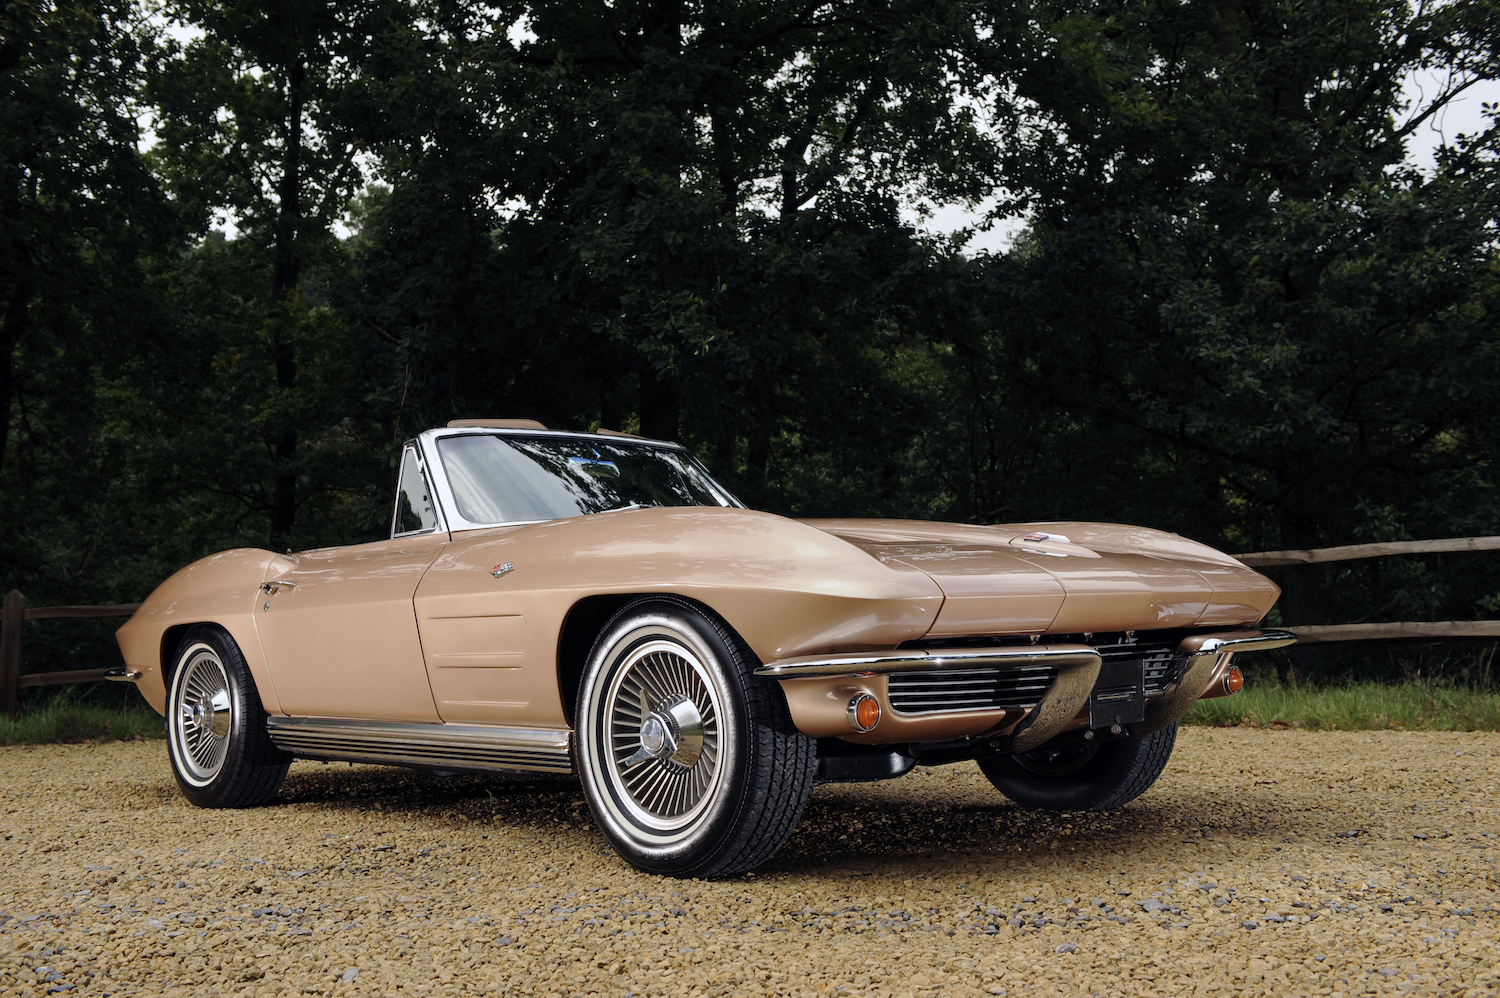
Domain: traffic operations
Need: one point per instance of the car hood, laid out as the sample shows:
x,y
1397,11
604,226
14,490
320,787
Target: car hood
x,y
1064,577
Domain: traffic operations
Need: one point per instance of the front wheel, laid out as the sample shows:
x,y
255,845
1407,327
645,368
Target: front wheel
x,y
222,755
1082,777
690,763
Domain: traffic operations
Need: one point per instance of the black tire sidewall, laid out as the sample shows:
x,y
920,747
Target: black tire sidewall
x,y
1119,772
248,740
699,847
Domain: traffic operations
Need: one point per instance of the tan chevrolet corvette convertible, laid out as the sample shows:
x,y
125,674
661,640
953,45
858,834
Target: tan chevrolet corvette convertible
x,y
596,603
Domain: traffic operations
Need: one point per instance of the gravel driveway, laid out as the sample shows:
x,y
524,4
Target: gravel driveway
x,y
1277,863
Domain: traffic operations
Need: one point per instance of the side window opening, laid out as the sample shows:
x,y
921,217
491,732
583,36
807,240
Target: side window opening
x,y
414,509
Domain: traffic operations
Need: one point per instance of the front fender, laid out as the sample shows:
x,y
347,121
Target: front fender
x,y
786,588
221,589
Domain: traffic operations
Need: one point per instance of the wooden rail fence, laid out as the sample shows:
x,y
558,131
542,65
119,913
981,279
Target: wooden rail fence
x,y
1313,634
14,614
1351,552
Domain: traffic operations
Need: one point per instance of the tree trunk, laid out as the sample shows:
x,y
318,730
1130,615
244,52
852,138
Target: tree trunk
x,y
611,416
286,275
658,406
1302,595
723,455
758,460
10,337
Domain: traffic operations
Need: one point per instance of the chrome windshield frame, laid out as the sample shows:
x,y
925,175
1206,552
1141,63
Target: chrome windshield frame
x,y
437,475
425,469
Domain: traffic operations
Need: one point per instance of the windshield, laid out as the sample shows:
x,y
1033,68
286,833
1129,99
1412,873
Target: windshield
x,y
499,479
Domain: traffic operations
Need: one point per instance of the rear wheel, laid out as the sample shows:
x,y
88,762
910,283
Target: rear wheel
x,y
1082,777
222,755
690,763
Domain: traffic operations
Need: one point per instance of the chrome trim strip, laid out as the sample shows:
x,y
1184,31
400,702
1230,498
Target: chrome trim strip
x,y
936,660
1204,653
429,746
423,468
450,519
122,675
1237,641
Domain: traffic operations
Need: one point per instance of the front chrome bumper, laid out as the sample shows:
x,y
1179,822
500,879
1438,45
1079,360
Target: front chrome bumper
x,y
1204,654
937,660
817,684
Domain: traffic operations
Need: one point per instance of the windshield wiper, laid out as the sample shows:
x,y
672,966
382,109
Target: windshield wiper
x,y
634,505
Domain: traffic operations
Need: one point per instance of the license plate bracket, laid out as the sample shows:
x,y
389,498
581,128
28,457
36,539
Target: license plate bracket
x,y
1119,695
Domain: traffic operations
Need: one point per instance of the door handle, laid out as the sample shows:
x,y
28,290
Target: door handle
x,y
272,588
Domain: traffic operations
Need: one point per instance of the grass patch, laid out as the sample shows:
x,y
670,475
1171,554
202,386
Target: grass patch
x,y
71,722
1356,707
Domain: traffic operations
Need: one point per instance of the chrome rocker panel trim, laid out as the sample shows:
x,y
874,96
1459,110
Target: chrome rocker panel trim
x,y
937,660
1204,652
447,747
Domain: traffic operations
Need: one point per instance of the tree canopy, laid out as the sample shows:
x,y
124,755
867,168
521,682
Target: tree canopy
x,y
247,249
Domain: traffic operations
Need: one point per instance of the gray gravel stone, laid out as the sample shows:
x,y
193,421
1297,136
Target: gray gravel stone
x,y
931,883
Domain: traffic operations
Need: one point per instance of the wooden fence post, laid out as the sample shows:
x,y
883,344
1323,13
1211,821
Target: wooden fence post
x,y
10,650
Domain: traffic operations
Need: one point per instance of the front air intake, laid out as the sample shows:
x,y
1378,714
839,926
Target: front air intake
x,y
1157,658
969,689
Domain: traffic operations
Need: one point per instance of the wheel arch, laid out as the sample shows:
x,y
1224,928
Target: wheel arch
x,y
585,621
171,640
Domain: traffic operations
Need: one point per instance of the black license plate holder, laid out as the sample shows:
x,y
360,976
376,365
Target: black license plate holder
x,y
1119,696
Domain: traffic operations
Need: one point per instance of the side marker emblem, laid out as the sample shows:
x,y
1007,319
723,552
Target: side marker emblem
x,y
502,568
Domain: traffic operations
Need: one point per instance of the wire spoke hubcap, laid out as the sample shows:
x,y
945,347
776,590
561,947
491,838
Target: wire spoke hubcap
x,y
202,721
661,735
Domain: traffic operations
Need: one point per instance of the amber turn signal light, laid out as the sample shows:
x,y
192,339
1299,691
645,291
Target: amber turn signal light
x,y
1234,679
864,712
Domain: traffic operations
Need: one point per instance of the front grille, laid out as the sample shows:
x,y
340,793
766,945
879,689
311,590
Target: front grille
x,y
1134,670
970,689
1158,659
1153,653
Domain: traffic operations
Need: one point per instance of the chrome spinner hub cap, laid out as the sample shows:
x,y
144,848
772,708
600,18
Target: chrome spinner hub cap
x,y
210,713
673,732
654,738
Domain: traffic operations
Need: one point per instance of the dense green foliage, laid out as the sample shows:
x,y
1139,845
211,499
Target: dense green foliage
x,y
247,249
